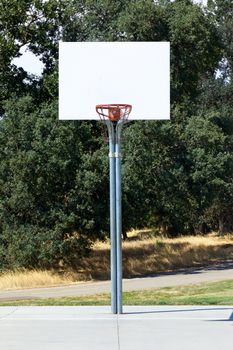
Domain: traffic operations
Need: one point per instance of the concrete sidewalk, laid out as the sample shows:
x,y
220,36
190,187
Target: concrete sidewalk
x,y
95,328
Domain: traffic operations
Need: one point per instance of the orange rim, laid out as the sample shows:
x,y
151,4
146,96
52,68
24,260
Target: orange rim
x,y
113,112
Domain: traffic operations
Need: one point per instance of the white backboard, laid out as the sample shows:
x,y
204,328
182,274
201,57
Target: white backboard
x,y
136,73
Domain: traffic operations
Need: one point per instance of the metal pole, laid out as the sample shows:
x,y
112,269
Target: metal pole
x,y
118,215
112,177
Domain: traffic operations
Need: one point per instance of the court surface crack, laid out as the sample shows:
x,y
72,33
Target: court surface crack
x,y
118,334
9,314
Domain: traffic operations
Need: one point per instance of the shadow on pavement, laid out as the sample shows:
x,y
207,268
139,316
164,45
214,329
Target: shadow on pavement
x,y
224,320
227,265
178,310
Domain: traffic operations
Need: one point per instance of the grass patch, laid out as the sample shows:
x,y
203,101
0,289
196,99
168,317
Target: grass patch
x,y
34,278
217,293
144,252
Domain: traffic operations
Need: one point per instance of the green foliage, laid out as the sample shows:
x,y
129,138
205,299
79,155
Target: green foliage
x,y
143,21
195,48
211,167
37,26
217,100
222,12
93,20
43,185
155,176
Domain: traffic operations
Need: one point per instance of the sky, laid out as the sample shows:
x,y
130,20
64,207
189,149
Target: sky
x,y
29,62
32,64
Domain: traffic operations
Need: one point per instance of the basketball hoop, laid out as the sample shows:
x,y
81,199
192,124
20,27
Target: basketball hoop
x,y
113,112
114,116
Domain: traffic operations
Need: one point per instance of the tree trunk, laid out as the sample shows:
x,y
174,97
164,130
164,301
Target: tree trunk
x,y
124,234
223,226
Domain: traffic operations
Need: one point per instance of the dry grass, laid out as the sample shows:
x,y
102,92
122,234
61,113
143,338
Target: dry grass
x,y
143,253
34,278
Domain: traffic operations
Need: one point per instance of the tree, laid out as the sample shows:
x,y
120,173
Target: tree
x,y
44,191
35,25
222,12
93,20
211,169
216,103
155,178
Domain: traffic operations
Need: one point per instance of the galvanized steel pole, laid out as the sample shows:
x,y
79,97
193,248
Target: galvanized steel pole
x,y
114,131
112,176
118,215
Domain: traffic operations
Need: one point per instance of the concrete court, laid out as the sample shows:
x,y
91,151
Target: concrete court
x,y
95,328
